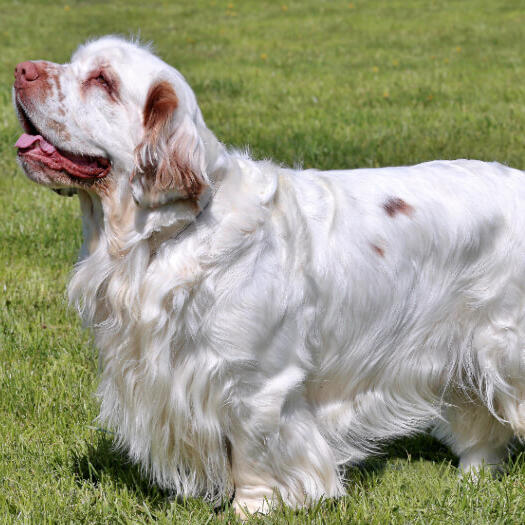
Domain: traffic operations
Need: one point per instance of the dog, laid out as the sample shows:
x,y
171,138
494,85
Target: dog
x,y
260,327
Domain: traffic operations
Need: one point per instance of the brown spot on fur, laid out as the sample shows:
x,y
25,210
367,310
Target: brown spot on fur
x,y
396,205
378,250
44,87
56,77
59,129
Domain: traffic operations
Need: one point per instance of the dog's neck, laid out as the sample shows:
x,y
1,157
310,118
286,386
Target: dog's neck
x,y
119,245
114,219
123,241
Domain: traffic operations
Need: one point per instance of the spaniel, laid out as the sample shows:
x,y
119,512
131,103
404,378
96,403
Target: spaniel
x,y
260,327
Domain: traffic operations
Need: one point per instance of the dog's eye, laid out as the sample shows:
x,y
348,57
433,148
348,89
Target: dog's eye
x,y
101,80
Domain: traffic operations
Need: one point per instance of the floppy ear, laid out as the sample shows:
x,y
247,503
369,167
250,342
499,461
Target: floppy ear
x,y
170,161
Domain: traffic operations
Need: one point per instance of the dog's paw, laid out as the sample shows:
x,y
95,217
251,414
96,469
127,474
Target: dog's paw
x,y
246,507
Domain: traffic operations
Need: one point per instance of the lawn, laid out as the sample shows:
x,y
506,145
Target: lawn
x,y
330,84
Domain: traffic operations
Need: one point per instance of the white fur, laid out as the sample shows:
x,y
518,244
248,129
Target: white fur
x,y
301,319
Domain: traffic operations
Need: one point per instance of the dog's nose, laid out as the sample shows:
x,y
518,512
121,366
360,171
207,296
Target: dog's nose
x,y
25,72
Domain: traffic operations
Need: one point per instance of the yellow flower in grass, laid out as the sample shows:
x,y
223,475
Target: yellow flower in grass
x,y
264,56
230,6
395,62
430,97
284,7
351,5
66,8
458,49
375,69
386,94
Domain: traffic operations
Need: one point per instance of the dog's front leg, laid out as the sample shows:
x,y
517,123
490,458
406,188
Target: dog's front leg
x,y
254,487
287,461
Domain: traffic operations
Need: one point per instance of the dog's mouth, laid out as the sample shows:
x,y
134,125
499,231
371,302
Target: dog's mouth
x,y
33,146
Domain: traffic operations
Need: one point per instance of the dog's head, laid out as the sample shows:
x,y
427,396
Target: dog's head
x,y
116,118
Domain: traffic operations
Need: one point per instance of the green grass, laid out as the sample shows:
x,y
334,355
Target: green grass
x,y
322,83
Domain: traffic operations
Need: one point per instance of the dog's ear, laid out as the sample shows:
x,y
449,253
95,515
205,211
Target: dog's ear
x,y
170,161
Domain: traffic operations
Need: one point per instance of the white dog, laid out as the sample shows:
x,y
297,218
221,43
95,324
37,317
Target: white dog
x,y
258,326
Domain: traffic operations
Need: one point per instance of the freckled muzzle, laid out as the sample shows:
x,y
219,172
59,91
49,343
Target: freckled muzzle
x,y
31,80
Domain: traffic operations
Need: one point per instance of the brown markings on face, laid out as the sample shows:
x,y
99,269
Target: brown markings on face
x,y
43,87
56,77
59,129
37,91
396,205
378,250
102,77
50,74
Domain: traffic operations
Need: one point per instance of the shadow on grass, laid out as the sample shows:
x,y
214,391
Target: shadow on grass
x,y
101,462
415,448
422,447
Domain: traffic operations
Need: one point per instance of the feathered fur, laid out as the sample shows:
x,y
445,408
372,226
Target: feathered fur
x,y
256,336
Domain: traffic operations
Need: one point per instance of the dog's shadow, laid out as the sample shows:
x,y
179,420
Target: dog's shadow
x,y
102,462
415,448
420,447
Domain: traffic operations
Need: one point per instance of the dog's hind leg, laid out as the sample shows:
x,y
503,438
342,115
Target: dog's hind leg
x,y
475,436
487,406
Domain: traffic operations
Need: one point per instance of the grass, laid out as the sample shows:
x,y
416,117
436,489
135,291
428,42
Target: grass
x,y
330,84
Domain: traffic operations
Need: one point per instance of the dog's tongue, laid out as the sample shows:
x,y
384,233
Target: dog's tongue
x,y
38,148
26,141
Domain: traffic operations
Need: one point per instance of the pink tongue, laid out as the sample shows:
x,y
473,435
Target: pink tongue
x,y
26,141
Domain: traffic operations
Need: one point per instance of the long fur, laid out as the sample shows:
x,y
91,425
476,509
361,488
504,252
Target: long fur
x,y
289,322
